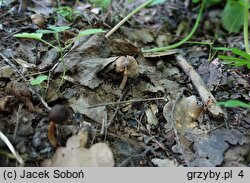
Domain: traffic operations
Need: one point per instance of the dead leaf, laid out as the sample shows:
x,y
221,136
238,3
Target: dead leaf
x,y
89,69
98,114
6,71
138,35
209,148
24,63
236,156
164,162
151,112
38,20
4,101
163,40
122,47
185,114
74,154
44,7
84,48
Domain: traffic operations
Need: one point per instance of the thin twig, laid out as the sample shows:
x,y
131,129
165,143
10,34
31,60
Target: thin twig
x,y
127,101
17,120
104,124
153,138
116,110
205,94
22,76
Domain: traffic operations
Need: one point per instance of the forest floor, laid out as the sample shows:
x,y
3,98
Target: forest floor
x,y
145,108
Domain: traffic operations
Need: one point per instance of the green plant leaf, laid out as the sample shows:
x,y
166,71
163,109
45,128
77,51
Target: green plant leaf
x,y
101,3
221,48
248,65
39,80
234,103
45,31
209,3
90,31
233,60
156,2
58,28
53,29
233,15
195,1
64,10
67,12
130,1
37,36
241,53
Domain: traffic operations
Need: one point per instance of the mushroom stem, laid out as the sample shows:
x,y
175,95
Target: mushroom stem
x,y
51,134
125,78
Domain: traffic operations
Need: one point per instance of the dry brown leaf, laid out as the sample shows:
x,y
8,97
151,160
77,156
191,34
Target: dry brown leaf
x,y
185,114
74,154
80,105
151,112
38,19
6,71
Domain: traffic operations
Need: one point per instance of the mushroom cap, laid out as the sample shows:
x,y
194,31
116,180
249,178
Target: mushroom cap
x,y
58,113
130,63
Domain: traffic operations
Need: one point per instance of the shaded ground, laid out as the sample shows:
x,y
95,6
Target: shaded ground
x,y
164,122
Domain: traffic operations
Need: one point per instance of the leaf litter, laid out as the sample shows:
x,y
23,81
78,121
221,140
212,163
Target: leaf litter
x,y
138,109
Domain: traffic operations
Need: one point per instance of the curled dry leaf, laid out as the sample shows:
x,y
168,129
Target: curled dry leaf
x,y
38,19
185,114
4,101
128,66
18,90
74,154
98,114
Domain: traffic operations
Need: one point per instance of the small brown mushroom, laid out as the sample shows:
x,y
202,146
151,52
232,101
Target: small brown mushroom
x,y
57,115
128,66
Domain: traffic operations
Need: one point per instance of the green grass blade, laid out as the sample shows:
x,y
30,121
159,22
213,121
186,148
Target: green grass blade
x,y
233,103
241,53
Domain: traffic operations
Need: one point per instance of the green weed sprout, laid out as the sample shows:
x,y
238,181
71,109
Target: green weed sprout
x,y
102,3
67,12
55,30
38,80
